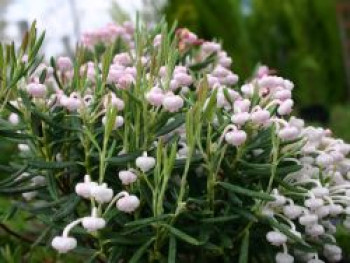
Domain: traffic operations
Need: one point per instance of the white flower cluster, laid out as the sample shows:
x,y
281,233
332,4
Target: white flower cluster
x,y
101,194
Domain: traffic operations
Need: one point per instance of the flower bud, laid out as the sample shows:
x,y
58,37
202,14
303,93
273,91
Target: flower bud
x,y
314,230
240,118
91,223
288,133
308,219
285,107
284,258
36,90
145,163
14,118
313,203
64,244
155,97
101,193
183,79
64,63
236,137
127,177
276,238
292,211
324,160
172,103
260,116
128,203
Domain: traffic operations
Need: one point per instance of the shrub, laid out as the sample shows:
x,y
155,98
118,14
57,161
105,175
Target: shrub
x,y
145,148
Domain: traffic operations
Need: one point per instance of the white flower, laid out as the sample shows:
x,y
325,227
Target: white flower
x,y
37,90
92,223
236,137
84,189
284,258
314,230
172,103
308,219
64,244
145,163
240,118
313,203
128,203
276,238
292,211
127,177
14,118
101,193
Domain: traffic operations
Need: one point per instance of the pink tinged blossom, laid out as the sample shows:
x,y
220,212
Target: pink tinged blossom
x,y
240,118
174,85
172,103
128,203
248,90
283,94
14,118
157,40
324,160
285,107
125,81
183,79
230,79
335,210
210,47
84,189
131,70
225,61
122,59
220,72
213,82
276,238
145,163
63,244
288,133
36,90
260,116
114,75
155,96
64,63
235,137
262,71
127,177
241,105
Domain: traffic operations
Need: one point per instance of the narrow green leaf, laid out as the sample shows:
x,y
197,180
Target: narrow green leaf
x,y
243,255
139,253
183,236
247,192
172,250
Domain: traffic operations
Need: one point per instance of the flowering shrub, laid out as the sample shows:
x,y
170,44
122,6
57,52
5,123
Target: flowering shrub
x,y
145,148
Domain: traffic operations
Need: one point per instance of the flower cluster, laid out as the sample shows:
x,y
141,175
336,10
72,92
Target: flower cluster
x,y
161,119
